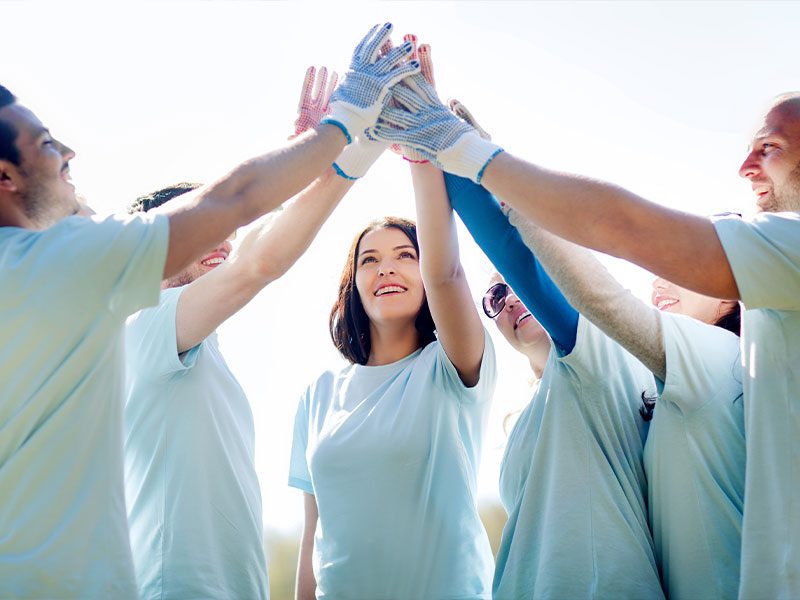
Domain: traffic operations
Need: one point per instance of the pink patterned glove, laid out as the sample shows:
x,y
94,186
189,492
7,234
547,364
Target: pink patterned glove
x,y
314,98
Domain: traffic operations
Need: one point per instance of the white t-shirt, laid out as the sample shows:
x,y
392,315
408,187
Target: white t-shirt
x,y
695,461
764,255
391,454
194,504
573,483
65,294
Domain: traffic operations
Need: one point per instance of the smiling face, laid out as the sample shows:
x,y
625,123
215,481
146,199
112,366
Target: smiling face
x,y
668,297
211,260
41,182
387,277
518,325
773,163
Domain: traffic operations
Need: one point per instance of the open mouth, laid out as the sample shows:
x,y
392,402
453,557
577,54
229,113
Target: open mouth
x,y
389,290
213,260
521,318
665,303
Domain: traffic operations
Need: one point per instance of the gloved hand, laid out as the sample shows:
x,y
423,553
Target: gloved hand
x,y
425,124
314,98
364,90
422,54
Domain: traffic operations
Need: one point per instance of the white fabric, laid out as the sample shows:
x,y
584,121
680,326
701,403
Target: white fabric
x,y
573,483
765,257
194,503
65,294
391,453
695,461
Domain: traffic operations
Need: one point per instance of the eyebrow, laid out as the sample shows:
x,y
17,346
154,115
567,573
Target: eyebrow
x,y
42,131
373,251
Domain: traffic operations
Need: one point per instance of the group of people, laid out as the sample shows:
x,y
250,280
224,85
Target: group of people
x,y
659,455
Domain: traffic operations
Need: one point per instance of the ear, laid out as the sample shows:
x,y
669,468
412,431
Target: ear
x,y
10,177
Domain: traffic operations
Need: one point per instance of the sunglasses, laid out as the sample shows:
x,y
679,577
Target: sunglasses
x,y
494,300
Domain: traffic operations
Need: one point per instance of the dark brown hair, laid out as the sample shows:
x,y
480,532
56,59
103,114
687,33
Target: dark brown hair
x,y
349,323
8,133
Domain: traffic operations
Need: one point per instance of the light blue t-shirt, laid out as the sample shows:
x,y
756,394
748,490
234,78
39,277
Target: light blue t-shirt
x,y
573,483
64,296
194,504
695,459
391,453
764,255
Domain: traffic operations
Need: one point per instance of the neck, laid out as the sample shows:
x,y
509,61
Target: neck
x,y
537,357
390,343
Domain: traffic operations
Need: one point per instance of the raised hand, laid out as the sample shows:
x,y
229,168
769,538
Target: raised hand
x,y
314,99
364,90
425,124
423,55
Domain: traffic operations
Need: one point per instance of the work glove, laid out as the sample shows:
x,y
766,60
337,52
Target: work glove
x,y
314,99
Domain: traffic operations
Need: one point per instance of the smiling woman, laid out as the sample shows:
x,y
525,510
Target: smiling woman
x,y
387,450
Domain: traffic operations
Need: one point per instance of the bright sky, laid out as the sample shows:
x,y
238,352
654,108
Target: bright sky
x,y
658,97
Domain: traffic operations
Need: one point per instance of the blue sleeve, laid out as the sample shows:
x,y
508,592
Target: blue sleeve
x,y
502,243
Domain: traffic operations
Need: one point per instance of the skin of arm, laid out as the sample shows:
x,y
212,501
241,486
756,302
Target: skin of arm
x,y
201,219
680,247
592,290
306,584
459,328
265,254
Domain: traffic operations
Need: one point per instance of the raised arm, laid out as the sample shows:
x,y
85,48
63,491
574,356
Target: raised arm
x,y
592,290
502,243
457,323
678,246
257,186
265,254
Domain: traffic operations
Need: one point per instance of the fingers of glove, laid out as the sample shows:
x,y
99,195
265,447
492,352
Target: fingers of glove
x,y
387,45
412,39
331,86
426,63
393,57
399,117
400,72
423,89
462,112
305,92
369,53
359,51
387,133
407,97
319,86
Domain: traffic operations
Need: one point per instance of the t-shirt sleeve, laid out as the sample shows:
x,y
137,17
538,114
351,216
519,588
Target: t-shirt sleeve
x,y
487,378
764,255
115,264
299,475
703,361
151,343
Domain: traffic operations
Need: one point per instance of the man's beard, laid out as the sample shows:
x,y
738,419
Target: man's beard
x,y
42,205
787,197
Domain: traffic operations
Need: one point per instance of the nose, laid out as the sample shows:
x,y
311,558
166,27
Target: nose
x,y
386,268
511,301
231,237
750,167
659,283
67,152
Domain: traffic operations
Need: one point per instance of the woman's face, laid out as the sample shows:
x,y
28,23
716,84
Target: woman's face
x,y
669,297
517,324
388,277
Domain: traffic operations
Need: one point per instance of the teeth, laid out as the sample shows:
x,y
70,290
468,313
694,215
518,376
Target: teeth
x,y
213,261
388,289
519,319
665,303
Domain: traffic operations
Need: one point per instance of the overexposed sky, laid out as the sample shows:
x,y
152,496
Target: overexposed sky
x,y
658,97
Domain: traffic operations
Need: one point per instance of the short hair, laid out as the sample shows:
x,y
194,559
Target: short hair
x,y
349,323
8,133
159,197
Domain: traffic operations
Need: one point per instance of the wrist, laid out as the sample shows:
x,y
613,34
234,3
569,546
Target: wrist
x,y
469,156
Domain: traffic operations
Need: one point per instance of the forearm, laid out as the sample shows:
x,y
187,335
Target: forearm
x,y
592,290
439,256
250,190
277,244
502,244
680,247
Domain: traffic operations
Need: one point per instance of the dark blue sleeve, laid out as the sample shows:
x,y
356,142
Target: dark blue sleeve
x,y
501,242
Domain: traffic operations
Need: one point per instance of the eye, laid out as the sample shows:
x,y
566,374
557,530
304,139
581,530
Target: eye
x,y
368,259
766,148
407,254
